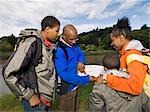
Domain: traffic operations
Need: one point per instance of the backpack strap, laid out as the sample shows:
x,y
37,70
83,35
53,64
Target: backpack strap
x,y
62,85
136,57
63,47
38,55
145,60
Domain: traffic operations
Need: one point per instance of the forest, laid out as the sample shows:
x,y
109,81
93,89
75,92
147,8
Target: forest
x,y
95,40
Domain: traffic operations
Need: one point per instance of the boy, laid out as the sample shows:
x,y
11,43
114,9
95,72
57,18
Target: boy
x,y
34,83
111,65
104,99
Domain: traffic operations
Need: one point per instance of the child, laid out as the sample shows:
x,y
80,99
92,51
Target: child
x,y
111,65
105,99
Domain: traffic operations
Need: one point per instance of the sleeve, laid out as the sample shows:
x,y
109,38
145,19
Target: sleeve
x,y
67,75
96,101
81,57
132,85
19,64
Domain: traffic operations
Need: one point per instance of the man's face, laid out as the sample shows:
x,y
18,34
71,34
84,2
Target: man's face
x,y
71,38
117,43
52,33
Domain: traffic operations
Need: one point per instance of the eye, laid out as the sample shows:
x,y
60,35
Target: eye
x,y
57,30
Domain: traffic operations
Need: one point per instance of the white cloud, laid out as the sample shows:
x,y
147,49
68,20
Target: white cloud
x,y
88,27
134,18
97,10
28,13
146,9
126,4
18,14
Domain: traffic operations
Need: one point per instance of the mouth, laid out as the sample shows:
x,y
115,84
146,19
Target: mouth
x,y
115,47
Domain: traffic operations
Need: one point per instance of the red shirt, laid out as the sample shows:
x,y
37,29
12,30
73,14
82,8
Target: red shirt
x,y
47,43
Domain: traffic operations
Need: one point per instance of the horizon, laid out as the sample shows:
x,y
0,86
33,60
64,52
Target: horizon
x,y
85,15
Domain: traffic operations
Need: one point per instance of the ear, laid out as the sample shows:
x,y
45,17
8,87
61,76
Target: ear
x,y
122,37
47,28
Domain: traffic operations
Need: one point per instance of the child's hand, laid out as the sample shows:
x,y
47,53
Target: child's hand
x,y
99,79
92,78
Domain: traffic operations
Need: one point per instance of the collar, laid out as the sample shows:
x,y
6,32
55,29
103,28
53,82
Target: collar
x,y
46,42
64,42
133,44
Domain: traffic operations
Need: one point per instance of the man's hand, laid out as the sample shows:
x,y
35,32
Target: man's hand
x,y
81,67
99,79
92,78
34,101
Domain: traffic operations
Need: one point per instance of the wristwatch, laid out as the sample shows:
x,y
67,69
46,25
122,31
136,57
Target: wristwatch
x,y
104,81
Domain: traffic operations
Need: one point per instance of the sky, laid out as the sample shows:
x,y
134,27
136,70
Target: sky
x,y
85,15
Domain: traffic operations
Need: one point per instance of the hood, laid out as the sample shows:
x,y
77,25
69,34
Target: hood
x,y
29,32
134,44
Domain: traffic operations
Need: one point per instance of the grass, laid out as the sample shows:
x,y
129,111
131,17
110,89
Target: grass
x,y
83,95
4,55
9,102
99,52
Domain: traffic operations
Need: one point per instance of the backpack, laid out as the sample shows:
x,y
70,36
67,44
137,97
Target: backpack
x,y
145,59
26,80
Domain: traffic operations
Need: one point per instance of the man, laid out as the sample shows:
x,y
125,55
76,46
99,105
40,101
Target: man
x,y
34,83
69,59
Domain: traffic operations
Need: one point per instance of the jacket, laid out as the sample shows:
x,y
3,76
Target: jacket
x,y
136,69
67,68
105,99
20,65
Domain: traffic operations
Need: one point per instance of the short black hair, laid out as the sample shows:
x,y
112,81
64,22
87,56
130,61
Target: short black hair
x,y
111,61
49,21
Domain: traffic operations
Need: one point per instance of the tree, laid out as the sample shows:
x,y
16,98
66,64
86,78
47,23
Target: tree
x,y
144,27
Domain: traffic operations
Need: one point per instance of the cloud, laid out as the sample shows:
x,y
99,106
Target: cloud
x,y
146,9
19,14
88,27
126,4
29,13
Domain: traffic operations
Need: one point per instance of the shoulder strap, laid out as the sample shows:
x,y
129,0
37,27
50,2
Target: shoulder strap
x,y
63,47
62,85
141,58
38,55
136,57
